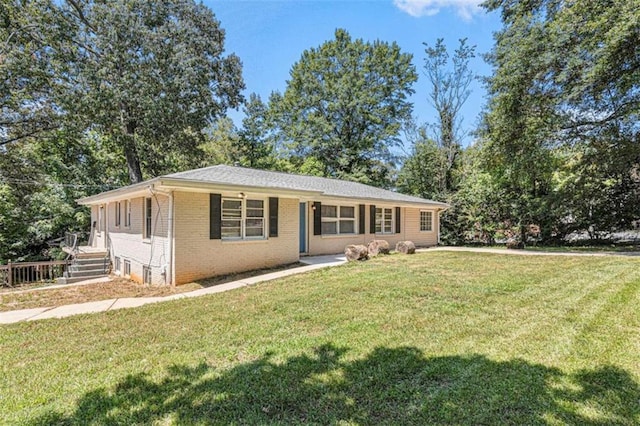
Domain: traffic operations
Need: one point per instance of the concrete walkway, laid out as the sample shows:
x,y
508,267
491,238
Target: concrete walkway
x,y
312,263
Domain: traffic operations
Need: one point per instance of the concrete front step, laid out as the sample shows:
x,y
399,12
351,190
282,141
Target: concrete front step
x,y
88,266
77,279
87,272
99,259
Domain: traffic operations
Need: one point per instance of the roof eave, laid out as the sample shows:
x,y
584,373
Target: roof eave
x,y
116,194
178,183
400,203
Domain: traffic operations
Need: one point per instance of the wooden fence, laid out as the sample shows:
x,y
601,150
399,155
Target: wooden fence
x,y
13,274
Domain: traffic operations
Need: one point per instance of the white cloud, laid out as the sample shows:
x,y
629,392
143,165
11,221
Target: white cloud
x,y
465,8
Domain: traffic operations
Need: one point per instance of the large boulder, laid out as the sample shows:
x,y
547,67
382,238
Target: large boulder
x,y
406,247
356,252
377,247
515,244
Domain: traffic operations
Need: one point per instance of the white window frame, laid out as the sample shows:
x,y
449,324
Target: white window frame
x,y
117,267
147,216
127,213
339,218
430,221
146,274
118,215
380,222
127,268
244,218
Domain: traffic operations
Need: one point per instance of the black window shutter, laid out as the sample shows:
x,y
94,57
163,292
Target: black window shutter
x,y
372,219
273,216
317,218
215,216
397,220
361,211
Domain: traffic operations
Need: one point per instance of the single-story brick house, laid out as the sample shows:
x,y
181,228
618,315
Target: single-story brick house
x,y
217,220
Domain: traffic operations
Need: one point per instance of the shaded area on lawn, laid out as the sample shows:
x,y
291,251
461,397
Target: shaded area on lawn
x,y
389,386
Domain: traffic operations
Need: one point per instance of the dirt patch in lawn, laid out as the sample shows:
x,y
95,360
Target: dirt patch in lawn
x,y
115,289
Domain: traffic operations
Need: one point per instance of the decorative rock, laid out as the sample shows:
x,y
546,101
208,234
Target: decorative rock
x,y
514,244
377,247
406,247
353,252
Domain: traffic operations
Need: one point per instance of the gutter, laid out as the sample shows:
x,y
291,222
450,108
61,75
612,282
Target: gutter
x,y
177,183
115,194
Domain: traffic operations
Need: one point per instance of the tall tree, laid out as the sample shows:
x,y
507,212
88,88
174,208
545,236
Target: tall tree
x,y
344,107
32,36
40,179
150,75
450,79
423,173
567,75
256,141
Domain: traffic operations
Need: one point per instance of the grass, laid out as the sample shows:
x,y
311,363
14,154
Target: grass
x,y
11,300
603,248
434,338
631,249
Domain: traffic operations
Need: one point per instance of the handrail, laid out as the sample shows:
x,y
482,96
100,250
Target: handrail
x,y
71,242
27,272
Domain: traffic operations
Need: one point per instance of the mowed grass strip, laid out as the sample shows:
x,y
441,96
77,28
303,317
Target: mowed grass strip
x,y
434,338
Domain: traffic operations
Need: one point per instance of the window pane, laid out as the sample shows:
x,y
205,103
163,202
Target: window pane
x,y
230,223
347,226
232,209
425,221
329,211
254,223
387,214
347,211
255,213
378,219
253,232
387,227
329,228
231,232
255,204
231,214
232,204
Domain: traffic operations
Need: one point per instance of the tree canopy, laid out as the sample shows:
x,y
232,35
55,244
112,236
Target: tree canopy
x,y
564,91
344,106
148,75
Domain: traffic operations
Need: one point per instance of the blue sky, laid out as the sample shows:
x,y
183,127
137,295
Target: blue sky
x,y
269,37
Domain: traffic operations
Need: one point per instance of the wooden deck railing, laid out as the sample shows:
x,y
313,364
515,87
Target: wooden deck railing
x,y
13,274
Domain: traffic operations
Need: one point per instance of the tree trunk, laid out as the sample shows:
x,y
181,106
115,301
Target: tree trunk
x,y
133,164
131,154
523,234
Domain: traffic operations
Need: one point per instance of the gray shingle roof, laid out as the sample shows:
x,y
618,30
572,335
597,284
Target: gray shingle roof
x,y
231,175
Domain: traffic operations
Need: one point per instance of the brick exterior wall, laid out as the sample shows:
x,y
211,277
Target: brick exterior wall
x,y
409,230
197,256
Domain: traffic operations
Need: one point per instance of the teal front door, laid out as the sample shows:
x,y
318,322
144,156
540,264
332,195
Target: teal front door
x,y
303,227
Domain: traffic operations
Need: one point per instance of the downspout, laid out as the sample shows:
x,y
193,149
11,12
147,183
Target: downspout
x,y
106,227
169,266
170,240
438,225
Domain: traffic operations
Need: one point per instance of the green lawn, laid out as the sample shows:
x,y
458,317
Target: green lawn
x,y
434,338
